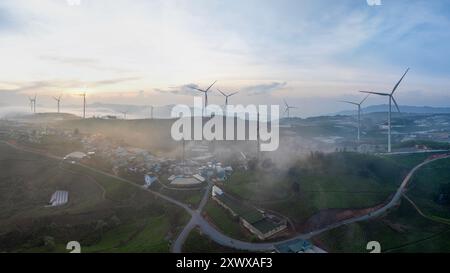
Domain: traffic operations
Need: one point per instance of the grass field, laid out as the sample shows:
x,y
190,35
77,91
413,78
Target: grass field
x,y
408,161
104,214
198,243
425,188
335,181
190,197
226,222
404,229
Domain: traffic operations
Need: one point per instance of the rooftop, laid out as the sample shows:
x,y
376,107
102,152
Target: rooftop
x,y
294,246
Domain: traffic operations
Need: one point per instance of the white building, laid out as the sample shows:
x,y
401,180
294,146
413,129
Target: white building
x,y
199,178
59,198
216,191
75,156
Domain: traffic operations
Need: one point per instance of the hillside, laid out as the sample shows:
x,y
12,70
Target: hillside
x,y
403,109
319,183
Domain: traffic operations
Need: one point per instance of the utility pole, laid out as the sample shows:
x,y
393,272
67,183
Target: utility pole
x,y
84,105
258,137
184,152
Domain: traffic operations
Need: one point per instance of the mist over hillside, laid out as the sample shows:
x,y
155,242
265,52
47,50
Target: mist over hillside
x,y
403,109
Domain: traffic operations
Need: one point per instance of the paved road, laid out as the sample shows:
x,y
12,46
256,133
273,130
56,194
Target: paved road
x,y
197,219
225,240
414,152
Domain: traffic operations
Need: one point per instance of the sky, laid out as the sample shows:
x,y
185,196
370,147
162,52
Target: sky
x,y
311,52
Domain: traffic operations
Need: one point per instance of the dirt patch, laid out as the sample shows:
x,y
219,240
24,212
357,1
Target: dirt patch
x,y
330,216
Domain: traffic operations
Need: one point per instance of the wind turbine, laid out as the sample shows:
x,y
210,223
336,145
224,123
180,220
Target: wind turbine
x,y
227,95
33,103
288,109
84,104
58,101
206,94
391,99
359,113
151,111
124,114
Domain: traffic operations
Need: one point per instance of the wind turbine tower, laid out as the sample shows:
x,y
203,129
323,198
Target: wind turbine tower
x,y
33,104
84,105
58,101
359,113
125,113
288,109
391,99
206,94
227,96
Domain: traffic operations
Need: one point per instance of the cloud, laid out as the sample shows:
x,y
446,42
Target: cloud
x,y
257,46
52,85
82,62
264,89
114,81
183,90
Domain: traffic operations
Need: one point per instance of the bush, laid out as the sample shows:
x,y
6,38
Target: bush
x,y
49,243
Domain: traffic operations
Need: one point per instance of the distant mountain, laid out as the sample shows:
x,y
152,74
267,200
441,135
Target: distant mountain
x,y
403,109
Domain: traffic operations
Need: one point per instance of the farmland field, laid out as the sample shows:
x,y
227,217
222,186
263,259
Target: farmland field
x,y
335,181
103,213
404,229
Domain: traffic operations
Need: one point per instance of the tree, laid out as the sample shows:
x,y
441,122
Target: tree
x,y
49,243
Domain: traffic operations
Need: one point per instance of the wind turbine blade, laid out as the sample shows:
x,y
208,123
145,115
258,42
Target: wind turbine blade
x,y
232,94
210,86
375,93
368,95
222,92
401,79
396,105
285,103
198,89
350,102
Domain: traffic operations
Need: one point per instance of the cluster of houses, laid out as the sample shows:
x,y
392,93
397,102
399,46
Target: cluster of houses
x,y
122,158
196,172
141,163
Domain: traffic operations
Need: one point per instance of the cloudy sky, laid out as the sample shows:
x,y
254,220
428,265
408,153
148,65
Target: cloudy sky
x,y
311,53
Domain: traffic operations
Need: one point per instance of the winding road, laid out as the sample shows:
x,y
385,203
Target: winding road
x,y
197,220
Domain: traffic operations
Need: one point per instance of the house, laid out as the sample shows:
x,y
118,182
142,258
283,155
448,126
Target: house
x,y
75,156
199,177
216,191
149,180
185,181
220,173
254,220
295,246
